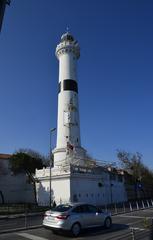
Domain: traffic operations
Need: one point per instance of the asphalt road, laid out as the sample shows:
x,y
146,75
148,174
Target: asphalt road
x,y
20,222
121,229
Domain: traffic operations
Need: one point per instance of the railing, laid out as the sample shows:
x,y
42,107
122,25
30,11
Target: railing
x,y
130,206
8,209
133,234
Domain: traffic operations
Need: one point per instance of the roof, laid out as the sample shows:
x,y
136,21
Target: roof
x,y
5,156
67,37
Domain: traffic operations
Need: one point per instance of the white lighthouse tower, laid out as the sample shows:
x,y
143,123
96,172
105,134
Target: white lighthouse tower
x,y
68,124
75,176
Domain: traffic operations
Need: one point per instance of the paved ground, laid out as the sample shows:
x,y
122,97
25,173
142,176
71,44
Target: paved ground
x,y
20,222
120,229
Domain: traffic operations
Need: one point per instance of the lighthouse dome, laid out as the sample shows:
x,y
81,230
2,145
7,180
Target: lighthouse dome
x,y
67,37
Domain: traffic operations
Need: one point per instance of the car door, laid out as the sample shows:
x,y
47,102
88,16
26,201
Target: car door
x,y
81,215
100,217
87,215
93,216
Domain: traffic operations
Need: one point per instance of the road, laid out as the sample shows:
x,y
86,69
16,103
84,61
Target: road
x,y
120,229
21,222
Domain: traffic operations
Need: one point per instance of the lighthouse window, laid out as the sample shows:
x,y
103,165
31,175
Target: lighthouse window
x,y
70,85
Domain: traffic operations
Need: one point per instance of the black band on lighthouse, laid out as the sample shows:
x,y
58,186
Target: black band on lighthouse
x,y
70,85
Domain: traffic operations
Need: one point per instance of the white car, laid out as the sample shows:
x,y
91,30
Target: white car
x,y
76,216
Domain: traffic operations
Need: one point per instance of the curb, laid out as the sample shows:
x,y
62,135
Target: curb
x,y
20,229
20,215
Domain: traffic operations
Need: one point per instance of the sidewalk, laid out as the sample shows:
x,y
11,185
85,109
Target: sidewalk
x,y
18,215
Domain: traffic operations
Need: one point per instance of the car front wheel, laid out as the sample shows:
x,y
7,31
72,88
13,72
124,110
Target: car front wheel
x,y
108,222
76,229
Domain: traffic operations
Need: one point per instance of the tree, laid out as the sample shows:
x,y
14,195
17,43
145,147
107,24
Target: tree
x,y
132,163
26,161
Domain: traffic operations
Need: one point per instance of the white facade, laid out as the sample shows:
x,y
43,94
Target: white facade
x,y
80,184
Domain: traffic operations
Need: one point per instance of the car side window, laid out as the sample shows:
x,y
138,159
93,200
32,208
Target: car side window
x,y
92,209
81,209
85,208
88,208
77,209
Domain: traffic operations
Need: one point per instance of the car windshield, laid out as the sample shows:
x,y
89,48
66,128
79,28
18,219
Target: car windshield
x,y
62,208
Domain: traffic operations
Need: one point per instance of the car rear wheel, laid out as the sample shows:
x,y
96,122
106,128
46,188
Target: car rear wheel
x,y
76,229
108,223
56,232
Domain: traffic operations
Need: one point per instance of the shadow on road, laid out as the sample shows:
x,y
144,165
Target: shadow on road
x,y
98,230
102,230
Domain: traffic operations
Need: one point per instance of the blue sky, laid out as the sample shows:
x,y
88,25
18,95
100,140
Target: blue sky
x,y
115,74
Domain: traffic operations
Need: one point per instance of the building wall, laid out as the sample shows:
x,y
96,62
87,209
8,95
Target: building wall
x,y
86,189
60,190
16,189
43,192
4,166
93,188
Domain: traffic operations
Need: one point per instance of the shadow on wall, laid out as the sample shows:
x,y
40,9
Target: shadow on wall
x,y
1,197
43,195
75,198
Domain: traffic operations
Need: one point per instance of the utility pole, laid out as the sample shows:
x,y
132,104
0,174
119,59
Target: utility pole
x,y
2,10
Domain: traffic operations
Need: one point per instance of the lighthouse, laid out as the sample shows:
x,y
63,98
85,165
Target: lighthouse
x,y
68,123
75,175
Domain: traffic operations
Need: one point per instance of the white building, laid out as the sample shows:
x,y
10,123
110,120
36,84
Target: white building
x,y
93,185
74,177
14,188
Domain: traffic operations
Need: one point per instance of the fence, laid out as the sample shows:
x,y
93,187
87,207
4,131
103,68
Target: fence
x,y
124,207
133,234
8,209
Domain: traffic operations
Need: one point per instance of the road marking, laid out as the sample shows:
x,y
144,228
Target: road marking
x,y
129,216
132,223
140,229
147,210
30,236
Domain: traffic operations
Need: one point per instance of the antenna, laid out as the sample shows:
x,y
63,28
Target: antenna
x,y
67,29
